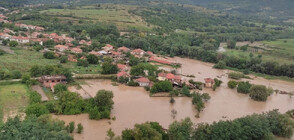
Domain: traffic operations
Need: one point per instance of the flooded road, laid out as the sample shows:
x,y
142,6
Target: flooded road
x,y
133,105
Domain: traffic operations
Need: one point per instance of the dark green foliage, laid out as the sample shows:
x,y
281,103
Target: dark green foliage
x,y
109,68
15,74
59,88
5,42
258,93
217,83
181,130
146,131
63,59
43,127
134,60
92,59
25,78
133,83
36,109
94,114
161,86
232,84
186,91
2,52
139,70
101,105
244,87
34,97
36,71
80,128
198,101
82,62
249,127
128,134
71,127
123,79
220,65
231,44
70,103
49,55
13,43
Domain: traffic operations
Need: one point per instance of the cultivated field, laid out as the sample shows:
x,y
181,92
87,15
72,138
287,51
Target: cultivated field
x,y
117,14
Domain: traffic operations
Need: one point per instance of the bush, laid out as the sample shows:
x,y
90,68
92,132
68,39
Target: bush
x,y
36,109
16,74
80,128
92,59
2,52
58,88
236,75
217,83
232,84
71,127
258,93
63,59
133,83
25,78
220,65
94,114
186,91
49,55
82,62
244,87
13,43
109,68
161,86
34,97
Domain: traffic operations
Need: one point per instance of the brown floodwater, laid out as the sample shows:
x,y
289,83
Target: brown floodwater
x,y
133,105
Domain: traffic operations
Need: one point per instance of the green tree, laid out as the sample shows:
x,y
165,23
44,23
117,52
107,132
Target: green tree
x,y
82,62
49,55
71,127
109,68
70,103
13,43
161,86
220,65
110,134
36,109
133,60
80,128
92,59
258,93
25,78
59,88
16,74
94,114
5,42
231,44
35,97
63,59
180,130
244,87
232,84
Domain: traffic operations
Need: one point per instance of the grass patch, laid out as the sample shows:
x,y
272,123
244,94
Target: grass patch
x,y
109,13
12,97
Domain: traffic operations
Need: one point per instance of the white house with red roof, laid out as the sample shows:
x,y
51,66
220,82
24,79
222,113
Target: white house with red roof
x,y
61,48
138,52
20,39
209,82
76,50
143,82
95,53
122,74
108,48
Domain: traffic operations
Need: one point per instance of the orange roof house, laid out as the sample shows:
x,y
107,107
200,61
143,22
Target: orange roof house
x,y
122,67
107,48
122,74
61,48
76,50
143,82
159,60
123,49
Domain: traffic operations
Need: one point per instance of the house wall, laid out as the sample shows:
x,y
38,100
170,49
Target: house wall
x,y
143,84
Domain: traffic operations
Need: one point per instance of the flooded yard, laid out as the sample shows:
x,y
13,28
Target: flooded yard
x,y
133,105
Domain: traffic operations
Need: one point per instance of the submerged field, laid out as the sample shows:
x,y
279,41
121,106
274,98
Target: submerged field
x,y
13,99
117,14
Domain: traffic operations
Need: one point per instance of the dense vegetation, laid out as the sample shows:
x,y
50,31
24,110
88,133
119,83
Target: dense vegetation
x,y
256,126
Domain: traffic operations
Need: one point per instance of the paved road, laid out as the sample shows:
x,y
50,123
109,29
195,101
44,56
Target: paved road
x,y
39,89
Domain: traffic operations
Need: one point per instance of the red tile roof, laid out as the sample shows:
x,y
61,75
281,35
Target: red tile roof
x,y
61,47
121,66
142,80
208,80
162,61
123,49
162,74
76,50
122,73
170,76
138,51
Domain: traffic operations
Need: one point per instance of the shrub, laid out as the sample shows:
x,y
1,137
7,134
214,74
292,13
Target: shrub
x,y
71,127
232,84
36,109
16,74
63,59
2,52
133,83
82,62
162,86
220,65
25,78
34,97
49,55
60,88
244,87
13,43
258,93
94,114
80,128
236,75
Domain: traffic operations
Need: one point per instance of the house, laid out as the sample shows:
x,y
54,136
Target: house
x,y
5,36
174,78
71,58
209,82
49,81
20,39
138,52
103,52
143,82
150,53
122,74
38,40
76,50
38,28
61,48
83,42
123,49
107,48
161,76
122,67
115,54
4,21
95,53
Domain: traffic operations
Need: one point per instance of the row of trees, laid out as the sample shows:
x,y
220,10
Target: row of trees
x,y
256,126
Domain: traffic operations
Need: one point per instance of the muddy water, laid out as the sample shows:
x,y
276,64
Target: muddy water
x,y
133,105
